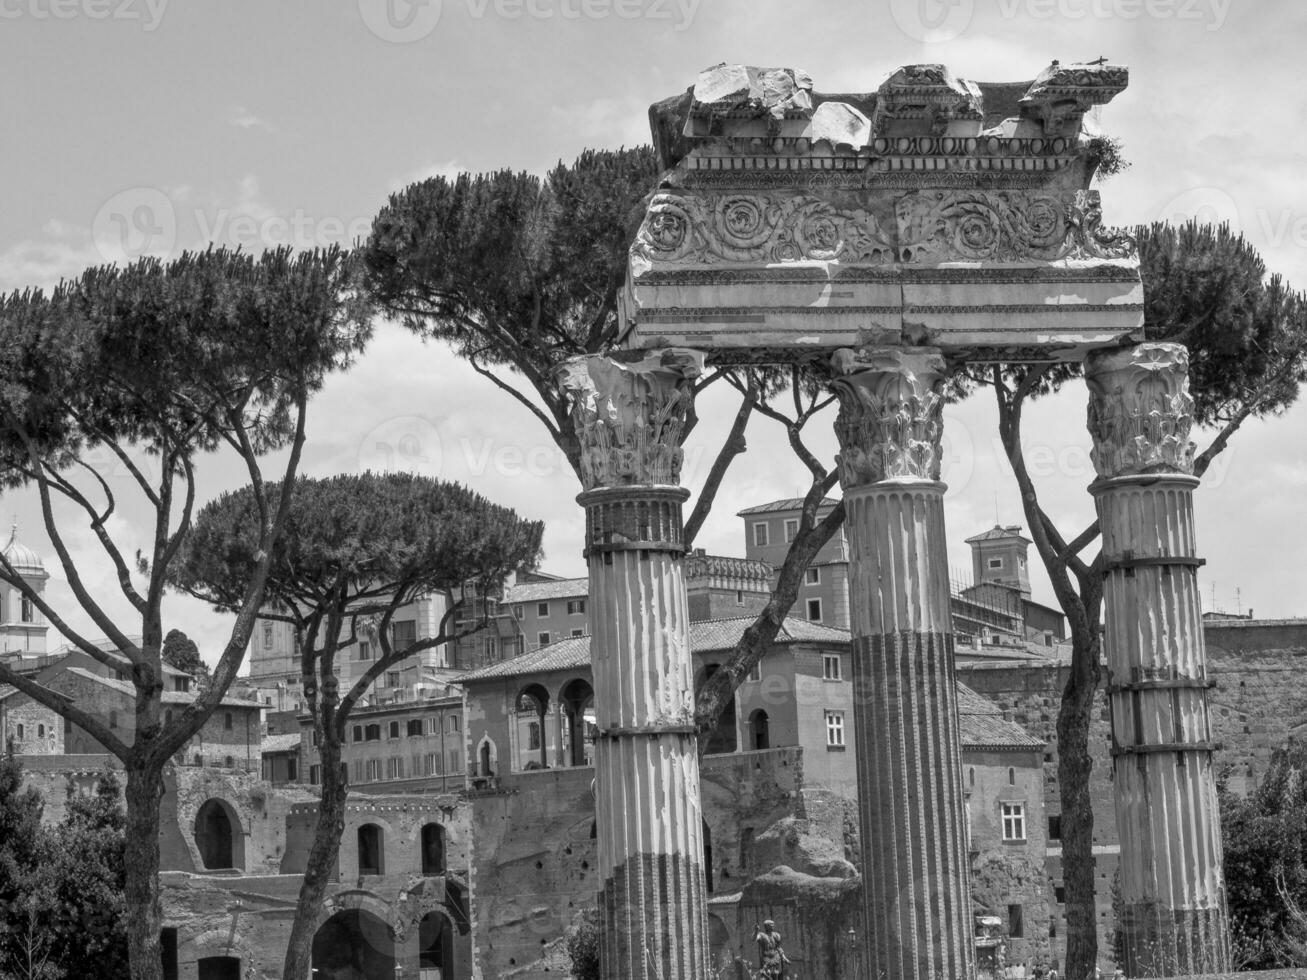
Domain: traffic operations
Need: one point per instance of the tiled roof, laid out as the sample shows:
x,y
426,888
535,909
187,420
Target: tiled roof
x,y
998,532
789,503
168,697
982,726
712,634
280,743
567,588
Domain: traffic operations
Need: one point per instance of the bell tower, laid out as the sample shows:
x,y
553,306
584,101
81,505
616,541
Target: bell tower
x,y
22,626
998,557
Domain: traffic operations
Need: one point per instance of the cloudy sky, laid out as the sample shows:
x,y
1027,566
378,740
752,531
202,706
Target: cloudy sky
x,y
137,126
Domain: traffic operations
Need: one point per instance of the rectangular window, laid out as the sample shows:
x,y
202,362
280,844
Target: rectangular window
x,y
414,727
392,730
292,769
995,563
542,610
739,597
1055,827
435,725
26,610
756,673
812,576
392,678
453,723
372,733
267,636
791,528
832,667
1014,821
455,760
760,534
435,764
364,651
404,634
358,770
542,638
1016,926
183,684
227,721
358,733
576,633
315,775
1059,894
372,770
316,740
575,607
814,610
395,767
835,728
518,611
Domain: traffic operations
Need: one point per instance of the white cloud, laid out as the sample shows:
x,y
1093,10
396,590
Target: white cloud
x,y
242,118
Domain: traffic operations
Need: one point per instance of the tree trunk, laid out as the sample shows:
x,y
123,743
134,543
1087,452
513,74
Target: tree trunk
x,y
1074,768
321,864
144,918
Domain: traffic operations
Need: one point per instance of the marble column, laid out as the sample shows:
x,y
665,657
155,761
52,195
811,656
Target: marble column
x,y
917,910
629,416
1172,889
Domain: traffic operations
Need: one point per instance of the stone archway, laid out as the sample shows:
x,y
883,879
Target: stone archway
x,y
436,945
218,836
354,944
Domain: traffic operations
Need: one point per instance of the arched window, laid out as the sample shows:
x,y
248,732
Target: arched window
x,y
532,748
27,613
433,849
759,732
371,850
971,777
40,731
20,732
1011,776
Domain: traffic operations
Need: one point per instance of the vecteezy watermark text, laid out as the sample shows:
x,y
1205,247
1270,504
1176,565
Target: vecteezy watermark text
x,y
406,21
149,13
938,21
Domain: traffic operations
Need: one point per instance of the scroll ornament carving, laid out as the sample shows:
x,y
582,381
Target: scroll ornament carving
x,y
1140,410
930,226
757,228
630,415
890,422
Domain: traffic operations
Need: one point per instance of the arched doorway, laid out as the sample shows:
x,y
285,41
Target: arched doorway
x,y
723,738
436,946
433,849
577,699
217,836
354,945
532,710
759,732
219,968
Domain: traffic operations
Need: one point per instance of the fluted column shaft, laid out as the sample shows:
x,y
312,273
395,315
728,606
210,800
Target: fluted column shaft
x,y
917,916
653,901
1172,888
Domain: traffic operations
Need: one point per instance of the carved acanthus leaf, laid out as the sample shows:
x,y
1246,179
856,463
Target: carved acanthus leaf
x,y
1140,410
630,415
890,423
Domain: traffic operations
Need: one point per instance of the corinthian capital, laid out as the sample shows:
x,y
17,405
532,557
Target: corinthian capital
x,y
890,420
1140,411
629,415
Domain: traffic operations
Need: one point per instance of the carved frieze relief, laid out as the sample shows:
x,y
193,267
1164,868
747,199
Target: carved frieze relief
x,y
630,415
1140,410
917,228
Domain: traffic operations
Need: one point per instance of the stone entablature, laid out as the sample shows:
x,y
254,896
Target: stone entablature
x,y
792,221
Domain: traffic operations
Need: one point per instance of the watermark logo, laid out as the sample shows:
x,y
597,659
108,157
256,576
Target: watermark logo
x,y
1206,205
406,444
147,13
400,21
133,223
932,21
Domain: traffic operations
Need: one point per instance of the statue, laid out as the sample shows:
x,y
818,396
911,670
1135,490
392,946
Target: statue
x,y
771,955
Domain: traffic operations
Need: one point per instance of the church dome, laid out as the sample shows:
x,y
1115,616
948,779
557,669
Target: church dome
x,y
23,558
